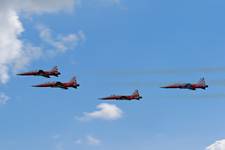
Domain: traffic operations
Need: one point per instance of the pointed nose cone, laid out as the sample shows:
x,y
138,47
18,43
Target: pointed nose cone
x,y
37,86
164,87
103,98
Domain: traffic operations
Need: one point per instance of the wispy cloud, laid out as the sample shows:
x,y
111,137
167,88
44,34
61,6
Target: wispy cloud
x,y
39,6
108,1
93,140
218,145
105,112
3,99
60,43
89,140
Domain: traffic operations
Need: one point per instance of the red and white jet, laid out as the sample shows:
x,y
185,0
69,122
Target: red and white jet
x,y
64,85
134,96
53,72
191,86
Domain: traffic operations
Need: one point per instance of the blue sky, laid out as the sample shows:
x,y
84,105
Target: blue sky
x,y
127,46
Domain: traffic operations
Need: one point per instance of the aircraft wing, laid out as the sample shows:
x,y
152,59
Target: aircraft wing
x,y
189,86
60,85
44,75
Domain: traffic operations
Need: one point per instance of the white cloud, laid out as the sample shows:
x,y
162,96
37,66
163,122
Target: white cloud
x,y
104,2
38,6
89,140
14,53
92,140
105,112
218,145
3,99
60,43
10,45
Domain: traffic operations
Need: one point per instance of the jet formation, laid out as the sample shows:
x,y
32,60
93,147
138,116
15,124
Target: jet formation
x,y
48,73
73,84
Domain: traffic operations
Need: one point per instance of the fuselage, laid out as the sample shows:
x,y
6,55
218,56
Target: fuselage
x,y
187,86
41,73
122,97
64,85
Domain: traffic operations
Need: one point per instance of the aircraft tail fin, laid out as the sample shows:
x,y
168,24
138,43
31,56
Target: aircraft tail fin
x,y
136,93
55,68
202,81
73,79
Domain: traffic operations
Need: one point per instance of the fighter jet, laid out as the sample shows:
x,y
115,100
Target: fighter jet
x,y
191,86
53,72
64,85
134,96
